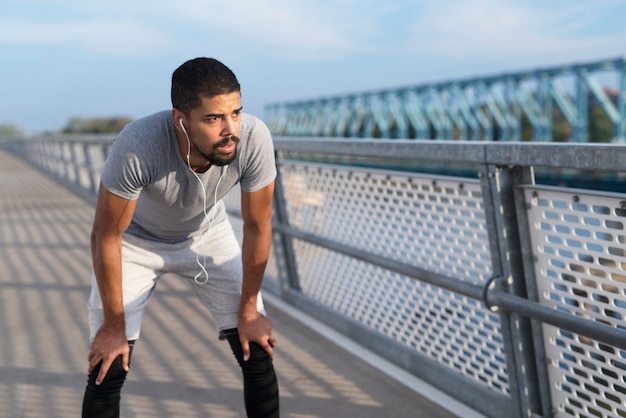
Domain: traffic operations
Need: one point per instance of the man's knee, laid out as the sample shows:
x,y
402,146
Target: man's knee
x,y
113,381
260,362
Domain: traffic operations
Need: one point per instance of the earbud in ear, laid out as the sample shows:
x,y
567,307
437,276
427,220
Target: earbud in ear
x,y
180,122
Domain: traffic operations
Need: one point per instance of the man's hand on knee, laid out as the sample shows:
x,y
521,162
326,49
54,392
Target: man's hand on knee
x,y
255,328
109,343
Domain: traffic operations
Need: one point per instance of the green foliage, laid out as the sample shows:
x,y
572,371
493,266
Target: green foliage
x,y
112,125
10,131
561,129
600,126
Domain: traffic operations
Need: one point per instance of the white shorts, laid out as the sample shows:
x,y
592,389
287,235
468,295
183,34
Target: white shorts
x,y
145,261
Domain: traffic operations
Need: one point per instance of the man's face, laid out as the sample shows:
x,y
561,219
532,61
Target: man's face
x,y
213,128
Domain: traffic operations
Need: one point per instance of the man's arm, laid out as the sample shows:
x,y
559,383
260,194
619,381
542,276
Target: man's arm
x,y
112,218
256,211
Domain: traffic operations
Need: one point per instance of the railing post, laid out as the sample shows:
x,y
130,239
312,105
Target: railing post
x,y
533,336
498,185
91,170
60,168
288,276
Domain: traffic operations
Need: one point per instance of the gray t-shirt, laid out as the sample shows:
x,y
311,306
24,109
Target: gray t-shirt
x,y
145,164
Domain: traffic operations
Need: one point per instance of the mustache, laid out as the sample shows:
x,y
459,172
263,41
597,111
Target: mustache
x,y
226,141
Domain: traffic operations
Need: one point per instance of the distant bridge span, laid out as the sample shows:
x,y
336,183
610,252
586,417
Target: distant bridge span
x,y
576,102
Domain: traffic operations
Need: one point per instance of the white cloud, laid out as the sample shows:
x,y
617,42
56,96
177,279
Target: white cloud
x,y
297,29
302,30
516,30
119,38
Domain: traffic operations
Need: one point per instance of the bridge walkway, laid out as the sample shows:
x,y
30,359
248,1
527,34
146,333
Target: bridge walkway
x,y
179,368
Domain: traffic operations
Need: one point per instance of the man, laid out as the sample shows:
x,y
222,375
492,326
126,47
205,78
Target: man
x,y
159,211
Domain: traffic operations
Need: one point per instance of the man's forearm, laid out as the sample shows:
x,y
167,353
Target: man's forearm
x,y
255,253
107,266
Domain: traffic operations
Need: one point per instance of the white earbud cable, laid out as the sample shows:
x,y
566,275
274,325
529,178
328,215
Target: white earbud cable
x,y
211,219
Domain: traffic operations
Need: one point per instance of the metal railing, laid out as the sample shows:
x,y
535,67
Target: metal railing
x,y
455,260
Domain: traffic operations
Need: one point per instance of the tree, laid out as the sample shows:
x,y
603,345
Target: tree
x,y
10,131
112,125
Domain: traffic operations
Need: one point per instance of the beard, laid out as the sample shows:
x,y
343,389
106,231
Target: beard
x,y
215,156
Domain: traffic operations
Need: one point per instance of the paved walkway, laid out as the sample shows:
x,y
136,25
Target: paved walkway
x,y
179,368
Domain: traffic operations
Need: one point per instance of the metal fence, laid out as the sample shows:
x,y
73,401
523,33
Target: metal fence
x,y
454,260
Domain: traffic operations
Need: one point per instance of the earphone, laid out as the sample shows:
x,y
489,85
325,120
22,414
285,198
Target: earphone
x,y
211,219
180,122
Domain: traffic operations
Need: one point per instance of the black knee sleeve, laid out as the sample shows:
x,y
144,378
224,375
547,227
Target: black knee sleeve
x,y
259,378
103,400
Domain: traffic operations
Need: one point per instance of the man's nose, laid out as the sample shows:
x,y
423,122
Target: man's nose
x,y
228,126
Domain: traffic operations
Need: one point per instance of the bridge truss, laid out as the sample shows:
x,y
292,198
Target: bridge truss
x,y
549,104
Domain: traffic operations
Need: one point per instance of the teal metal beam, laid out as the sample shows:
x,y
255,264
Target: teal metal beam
x,y
495,107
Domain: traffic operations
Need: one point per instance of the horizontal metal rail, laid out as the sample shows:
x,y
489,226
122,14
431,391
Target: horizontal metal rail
x,y
605,157
489,294
499,299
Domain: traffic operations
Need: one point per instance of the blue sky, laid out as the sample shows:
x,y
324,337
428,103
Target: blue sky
x,y
97,58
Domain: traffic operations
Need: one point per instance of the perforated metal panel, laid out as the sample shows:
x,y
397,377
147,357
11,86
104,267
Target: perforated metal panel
x,y
578,240
232,200
433,222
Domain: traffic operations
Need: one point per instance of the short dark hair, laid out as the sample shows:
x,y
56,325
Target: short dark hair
x,y
198,78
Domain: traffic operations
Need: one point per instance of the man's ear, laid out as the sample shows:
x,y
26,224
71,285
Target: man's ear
x,y
179,120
